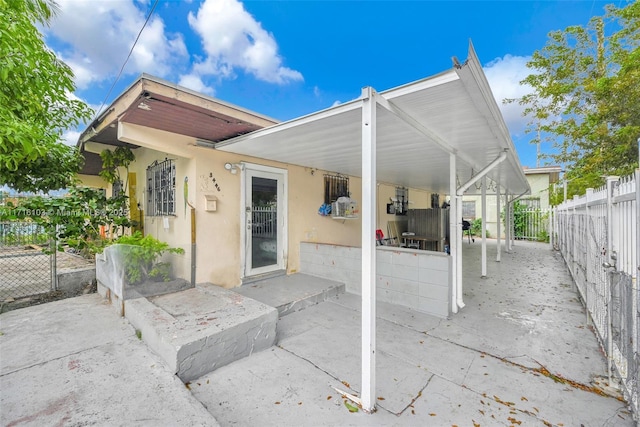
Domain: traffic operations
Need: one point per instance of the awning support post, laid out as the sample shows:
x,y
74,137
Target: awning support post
x,y
454,243
498,222
368,214
484,227
458,258
507,224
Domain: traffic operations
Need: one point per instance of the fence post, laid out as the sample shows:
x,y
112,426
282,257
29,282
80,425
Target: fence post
x,y
588,198
634,291
611,180
574,250
53,247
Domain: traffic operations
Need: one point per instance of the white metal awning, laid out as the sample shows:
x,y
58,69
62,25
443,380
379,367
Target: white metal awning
x,y
418,126
440,134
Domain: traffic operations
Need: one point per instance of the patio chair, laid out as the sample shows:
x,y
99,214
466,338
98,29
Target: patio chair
x,y
382,241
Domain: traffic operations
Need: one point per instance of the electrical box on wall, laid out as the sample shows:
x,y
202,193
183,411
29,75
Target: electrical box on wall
x,y
210,203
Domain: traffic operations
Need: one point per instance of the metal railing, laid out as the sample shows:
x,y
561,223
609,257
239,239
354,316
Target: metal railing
x,y
597,235
531,224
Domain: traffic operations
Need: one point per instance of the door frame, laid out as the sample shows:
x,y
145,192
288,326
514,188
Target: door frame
x,y
283,216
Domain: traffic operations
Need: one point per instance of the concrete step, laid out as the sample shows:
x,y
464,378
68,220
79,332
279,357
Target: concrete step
x,y
291,293
201,329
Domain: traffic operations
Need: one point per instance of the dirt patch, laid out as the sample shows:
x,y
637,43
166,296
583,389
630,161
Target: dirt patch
x,y
28,301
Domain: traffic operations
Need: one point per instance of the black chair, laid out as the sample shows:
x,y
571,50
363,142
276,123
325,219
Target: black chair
x,y
466,226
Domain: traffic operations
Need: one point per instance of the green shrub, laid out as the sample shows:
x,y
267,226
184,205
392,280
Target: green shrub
x,y
476,227
141,260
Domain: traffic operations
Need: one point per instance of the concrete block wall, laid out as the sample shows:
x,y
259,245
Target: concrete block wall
x,y
419,280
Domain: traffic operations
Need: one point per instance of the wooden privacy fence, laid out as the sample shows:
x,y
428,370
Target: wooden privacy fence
x,y
597,234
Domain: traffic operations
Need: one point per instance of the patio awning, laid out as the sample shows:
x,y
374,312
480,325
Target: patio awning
x,y
418,126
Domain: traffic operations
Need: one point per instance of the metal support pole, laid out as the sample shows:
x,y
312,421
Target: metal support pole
x,y
507,224
368,395
498,221
459,301
454,225
193,246
484,227
53,247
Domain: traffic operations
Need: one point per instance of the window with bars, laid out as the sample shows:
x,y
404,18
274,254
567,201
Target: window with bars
x,y
161,188
335,186
469,209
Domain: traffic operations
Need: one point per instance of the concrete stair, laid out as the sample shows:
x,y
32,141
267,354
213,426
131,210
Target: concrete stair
x,y
201,329
291,293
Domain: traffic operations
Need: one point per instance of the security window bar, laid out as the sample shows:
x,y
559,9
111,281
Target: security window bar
x,y
335,186
161,188
469,210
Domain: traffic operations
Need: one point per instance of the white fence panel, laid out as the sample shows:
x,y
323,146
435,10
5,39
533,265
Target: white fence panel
x,y
597,235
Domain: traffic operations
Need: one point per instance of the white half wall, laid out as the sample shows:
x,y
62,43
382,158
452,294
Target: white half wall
x,y
419,280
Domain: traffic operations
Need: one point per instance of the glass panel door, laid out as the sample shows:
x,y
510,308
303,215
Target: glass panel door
x,y
263,216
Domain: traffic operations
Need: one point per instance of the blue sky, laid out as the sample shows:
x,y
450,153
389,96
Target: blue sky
x,y
285,59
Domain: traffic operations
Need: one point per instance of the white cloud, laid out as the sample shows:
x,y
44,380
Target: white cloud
x,y
97,36
233,39
504,75
194,82
70,137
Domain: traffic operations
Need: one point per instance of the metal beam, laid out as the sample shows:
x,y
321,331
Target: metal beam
x,y
368,212
482,173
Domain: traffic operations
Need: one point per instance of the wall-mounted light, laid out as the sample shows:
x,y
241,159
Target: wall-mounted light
x,y
232,167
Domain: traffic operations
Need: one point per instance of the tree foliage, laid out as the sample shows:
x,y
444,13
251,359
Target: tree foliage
x,y
36,105
85,219
586,97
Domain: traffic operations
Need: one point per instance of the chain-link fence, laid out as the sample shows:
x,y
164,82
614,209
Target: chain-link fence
x,y
597,235
25,268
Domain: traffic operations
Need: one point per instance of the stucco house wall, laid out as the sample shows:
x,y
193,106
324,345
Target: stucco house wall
x,y
218,254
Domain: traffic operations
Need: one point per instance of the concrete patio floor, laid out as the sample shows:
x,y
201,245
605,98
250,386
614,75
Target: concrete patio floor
x,y
519,353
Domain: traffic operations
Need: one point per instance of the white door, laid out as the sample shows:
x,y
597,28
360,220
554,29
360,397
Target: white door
x,y
264,215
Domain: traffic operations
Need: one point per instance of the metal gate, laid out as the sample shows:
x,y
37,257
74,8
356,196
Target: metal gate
x,y
25,268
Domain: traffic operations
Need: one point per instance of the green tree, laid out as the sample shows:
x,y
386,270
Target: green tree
x,y
36,105
586,97
78,219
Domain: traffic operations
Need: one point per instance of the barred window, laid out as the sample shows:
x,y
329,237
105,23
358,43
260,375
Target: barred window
x,y
469,209
335,186
161,188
